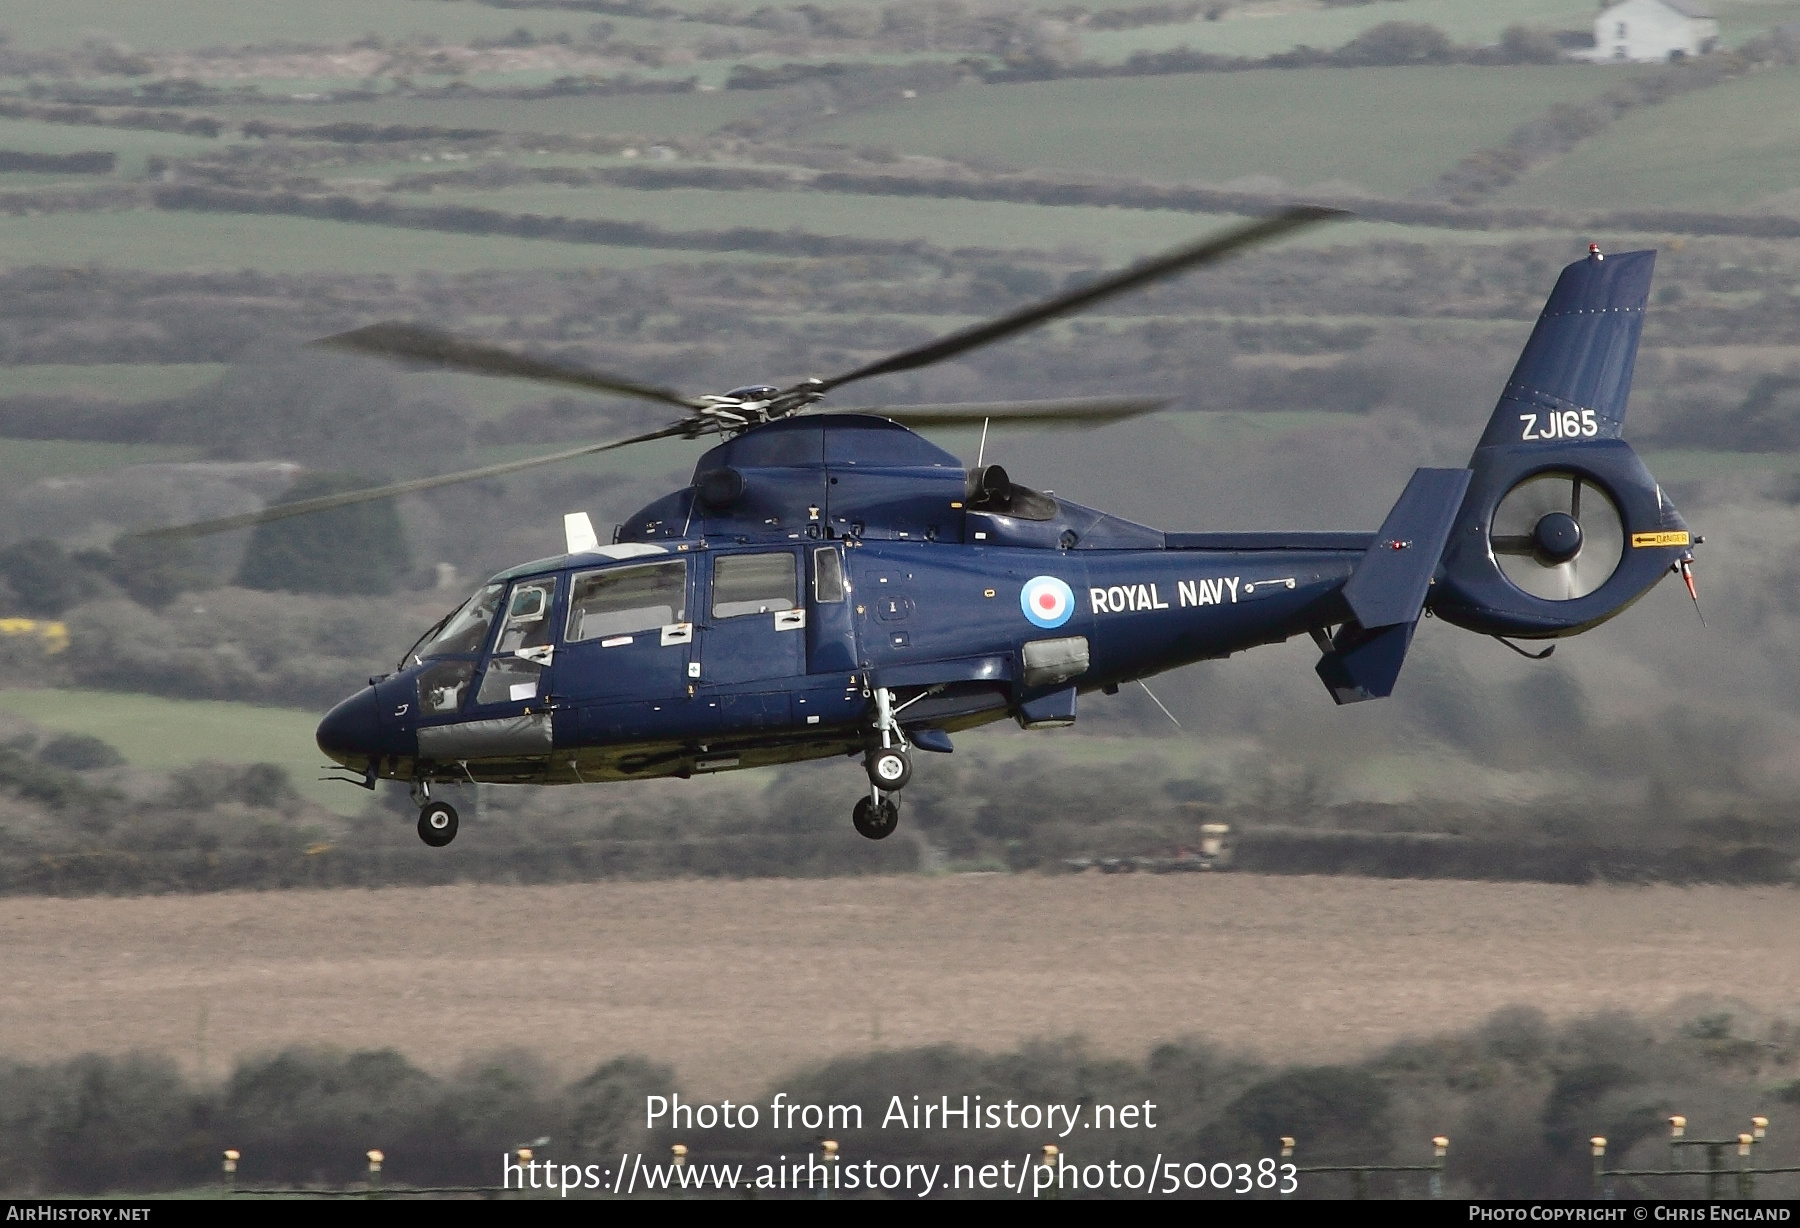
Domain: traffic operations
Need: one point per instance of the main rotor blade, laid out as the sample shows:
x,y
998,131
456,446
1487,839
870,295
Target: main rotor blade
x,y
418,344
1085,411
324,503
1206,251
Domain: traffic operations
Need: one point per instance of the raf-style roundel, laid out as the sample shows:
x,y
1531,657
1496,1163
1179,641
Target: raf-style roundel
x,y
1047,601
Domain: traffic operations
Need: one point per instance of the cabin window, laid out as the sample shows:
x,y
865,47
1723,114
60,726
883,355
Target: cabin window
x,y
465,629
828,575
625,600
753,584
509,680
528,616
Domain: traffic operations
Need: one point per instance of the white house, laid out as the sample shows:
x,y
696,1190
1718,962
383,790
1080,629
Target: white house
x,y
1653,30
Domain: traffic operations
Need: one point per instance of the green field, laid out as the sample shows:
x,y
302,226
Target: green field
x,y
208,242
1384,129
27,460
1722,148
691,114
119,381
194,24
1112,234
1691,465
169,733
1266,29
133,147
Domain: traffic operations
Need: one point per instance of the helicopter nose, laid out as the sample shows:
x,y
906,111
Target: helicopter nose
x,y
352,729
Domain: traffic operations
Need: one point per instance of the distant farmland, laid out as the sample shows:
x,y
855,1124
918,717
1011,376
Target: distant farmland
x,y
1672,156
1385,129
737,982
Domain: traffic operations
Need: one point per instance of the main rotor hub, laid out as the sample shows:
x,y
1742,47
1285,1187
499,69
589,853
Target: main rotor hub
x,y
752,392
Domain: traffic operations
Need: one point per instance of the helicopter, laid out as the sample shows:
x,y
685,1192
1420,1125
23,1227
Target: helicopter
x,y
830,583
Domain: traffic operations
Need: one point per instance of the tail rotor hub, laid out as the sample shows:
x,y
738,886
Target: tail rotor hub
x,y
1557,538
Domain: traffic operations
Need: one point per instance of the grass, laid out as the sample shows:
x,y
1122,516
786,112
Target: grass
x,y
210,242
152,732
1111,234
645,460
118,381
1742,19
737,982
1261,32
1721,148
133,147
1385,129
194,24
1104,234
689,114
27,460
1691,464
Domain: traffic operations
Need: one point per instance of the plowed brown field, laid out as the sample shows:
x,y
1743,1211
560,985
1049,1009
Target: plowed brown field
x,y
735,982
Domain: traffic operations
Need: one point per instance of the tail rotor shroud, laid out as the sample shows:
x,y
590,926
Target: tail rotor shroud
x,y
1558,535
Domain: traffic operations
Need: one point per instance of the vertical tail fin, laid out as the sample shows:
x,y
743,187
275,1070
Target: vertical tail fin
x,y
1580,357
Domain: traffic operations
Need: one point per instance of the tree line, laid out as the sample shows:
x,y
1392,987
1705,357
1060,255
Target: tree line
x,y
1517,1095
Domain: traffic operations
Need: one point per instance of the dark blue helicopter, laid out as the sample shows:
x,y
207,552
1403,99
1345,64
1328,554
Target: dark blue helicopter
x,y
833,584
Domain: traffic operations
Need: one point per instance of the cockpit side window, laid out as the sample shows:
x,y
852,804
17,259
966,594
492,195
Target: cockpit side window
x,y
753,584
626,600
465,630
443,686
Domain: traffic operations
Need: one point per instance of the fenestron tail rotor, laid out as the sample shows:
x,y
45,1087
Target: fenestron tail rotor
x,y
753,406
1557,536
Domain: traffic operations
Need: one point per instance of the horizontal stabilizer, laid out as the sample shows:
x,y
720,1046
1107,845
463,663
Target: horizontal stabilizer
x,y
1388,587
1574,377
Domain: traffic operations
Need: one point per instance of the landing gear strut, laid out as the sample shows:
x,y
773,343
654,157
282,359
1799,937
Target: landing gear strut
x,y
889,768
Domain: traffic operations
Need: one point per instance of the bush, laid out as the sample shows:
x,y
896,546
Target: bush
x,y
1398,43
79,752
347,551
44,580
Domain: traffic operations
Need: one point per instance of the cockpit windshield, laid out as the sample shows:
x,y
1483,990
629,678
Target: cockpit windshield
x,y
464,629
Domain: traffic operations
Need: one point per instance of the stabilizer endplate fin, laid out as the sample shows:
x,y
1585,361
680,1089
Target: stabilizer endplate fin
x,y
1388,587
1364,665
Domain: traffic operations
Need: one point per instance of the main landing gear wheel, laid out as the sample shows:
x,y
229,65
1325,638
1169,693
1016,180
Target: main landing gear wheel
x,y
876,820
437,824
889,769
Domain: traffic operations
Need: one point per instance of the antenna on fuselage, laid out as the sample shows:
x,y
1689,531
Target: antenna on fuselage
x,y
981,452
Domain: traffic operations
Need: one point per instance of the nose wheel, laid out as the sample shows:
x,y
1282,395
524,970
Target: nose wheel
x,y
889,769
437,824
876,819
